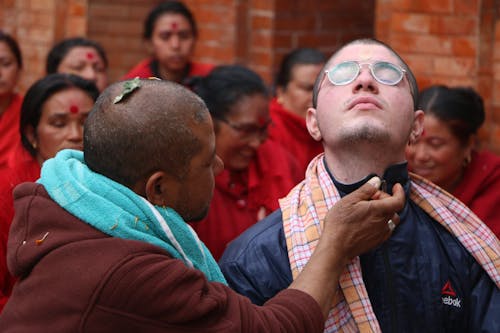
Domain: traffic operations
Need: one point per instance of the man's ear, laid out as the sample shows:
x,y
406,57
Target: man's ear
x,y
312,124
417,127
160,189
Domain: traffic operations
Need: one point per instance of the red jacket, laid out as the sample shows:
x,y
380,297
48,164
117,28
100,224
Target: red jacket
x,y
240,200
74,278
22,167
144,69
9,128
480,188
291,132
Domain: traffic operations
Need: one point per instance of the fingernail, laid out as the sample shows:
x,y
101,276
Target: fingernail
x,y
375,182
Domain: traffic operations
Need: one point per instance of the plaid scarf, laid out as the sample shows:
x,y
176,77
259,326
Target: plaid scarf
x,y
304,210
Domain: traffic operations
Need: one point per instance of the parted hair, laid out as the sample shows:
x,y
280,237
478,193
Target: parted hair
x,y
40,92
226,85
461,108
59,51
147,131
167,7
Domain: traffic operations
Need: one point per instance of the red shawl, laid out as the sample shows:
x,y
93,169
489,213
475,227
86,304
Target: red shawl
x,y
9,127
480,189
291,132
143,70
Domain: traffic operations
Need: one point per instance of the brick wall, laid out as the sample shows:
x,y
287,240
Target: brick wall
x,y
453,42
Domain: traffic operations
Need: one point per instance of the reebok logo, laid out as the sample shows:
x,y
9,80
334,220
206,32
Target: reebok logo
x,y
449,296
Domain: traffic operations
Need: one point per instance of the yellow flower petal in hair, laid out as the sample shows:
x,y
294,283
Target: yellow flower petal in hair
x,y
128,88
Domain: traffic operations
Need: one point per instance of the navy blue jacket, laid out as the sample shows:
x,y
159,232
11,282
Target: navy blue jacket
x,y
420,280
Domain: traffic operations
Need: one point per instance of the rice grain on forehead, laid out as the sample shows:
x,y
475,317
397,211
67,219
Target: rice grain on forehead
x,y
149,130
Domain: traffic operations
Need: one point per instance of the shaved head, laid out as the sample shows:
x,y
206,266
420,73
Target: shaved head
x,y
150,129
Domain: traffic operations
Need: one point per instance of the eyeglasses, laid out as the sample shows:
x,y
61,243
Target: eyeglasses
x,y
248,131
382,71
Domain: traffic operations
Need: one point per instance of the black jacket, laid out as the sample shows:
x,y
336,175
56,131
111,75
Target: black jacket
x,y
420,280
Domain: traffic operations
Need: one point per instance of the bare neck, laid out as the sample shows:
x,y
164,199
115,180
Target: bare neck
x,y
352,165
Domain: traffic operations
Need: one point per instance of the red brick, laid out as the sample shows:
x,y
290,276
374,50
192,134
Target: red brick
x,y
453,25
467,7
411,23
464,47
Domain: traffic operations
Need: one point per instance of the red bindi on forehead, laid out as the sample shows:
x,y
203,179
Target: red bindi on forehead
x,y
174,26
74,109
90,55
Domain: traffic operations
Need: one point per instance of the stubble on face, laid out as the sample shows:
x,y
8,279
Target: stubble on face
x,y
362,134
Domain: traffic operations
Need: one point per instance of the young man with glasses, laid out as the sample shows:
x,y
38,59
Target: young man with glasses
x,y
439,270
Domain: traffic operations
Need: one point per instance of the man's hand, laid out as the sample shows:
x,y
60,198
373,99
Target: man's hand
x,y
358,222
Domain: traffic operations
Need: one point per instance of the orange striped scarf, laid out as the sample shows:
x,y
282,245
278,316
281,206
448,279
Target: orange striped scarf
x,y
306,206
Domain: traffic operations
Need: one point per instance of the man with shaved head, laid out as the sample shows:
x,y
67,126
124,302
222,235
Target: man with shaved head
x,y
100,242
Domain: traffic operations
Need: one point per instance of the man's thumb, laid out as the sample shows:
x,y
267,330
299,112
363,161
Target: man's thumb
x,y
369,188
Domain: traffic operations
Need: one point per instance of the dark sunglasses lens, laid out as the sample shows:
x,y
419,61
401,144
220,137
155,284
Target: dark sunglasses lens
x,y
387,73
343,73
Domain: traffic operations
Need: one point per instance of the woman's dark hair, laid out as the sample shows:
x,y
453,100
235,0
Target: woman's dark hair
x,y
40,92
62,48
226,85
168,7
461,108
13,46
300,56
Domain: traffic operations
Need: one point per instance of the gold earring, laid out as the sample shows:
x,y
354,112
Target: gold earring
x,y
34,145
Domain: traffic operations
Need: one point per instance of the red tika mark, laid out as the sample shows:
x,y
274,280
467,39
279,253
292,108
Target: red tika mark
x,y
90,55
73,109
174,26
448,290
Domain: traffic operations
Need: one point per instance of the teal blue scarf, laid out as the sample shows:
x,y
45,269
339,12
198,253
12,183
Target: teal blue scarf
x,y
118,211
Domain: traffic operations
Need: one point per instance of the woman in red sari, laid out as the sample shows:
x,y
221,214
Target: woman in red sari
x,y
11,64
170,34
52,116
445,153
257,172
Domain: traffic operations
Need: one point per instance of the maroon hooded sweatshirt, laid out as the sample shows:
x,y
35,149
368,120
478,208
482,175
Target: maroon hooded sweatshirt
x,y
74,278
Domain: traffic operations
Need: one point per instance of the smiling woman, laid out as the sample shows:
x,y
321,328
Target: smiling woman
x,y
52,116
445,152
257,171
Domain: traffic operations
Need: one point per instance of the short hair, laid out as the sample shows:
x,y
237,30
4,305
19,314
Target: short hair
x,y
40,92
461,108
13,46
61,49
370,41
299,56
149,130
226,85
168,7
